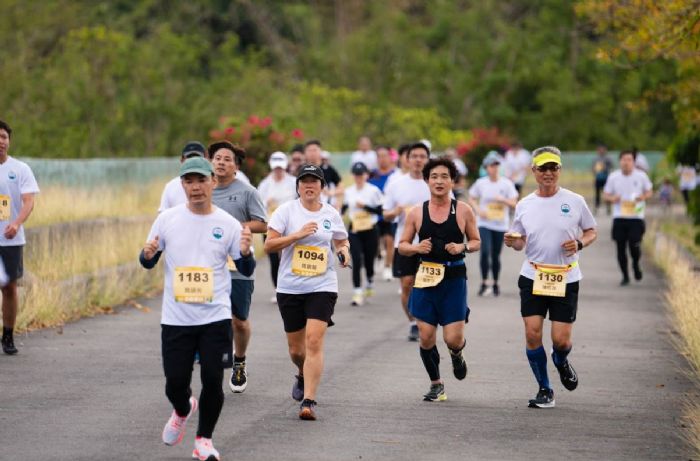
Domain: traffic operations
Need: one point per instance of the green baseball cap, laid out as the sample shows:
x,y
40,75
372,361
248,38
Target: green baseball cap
x,y
197,165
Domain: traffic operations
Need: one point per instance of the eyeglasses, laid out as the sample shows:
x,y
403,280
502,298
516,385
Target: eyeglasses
x,y
548,167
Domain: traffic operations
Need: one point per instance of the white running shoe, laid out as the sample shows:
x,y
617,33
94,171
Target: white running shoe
x,y
387,275
174,429
357,299
204,450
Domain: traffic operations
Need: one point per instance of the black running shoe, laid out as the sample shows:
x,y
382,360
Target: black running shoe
x,y
567,374
8,345
239,378
482,289
496,290
436,393
637,274
459,366
625,281
543,399
307,410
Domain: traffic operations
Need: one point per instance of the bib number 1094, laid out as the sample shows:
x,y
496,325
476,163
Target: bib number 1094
x,y
310,255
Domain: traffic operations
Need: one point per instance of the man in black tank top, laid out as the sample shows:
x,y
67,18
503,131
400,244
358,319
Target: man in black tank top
x,y
439,295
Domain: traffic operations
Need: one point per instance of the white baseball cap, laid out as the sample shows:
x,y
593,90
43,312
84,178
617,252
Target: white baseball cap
x,y
278,160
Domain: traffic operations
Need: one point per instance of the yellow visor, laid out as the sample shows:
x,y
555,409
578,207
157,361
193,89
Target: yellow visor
x,y
547,157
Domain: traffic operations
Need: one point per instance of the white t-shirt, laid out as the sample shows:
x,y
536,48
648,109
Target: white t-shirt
x,y
191,240
486,191
641,163
628,187
547,222
275,193
173,194
369,195
397,174
405,192
687,177
516,164
369,158
240,176
16,178
289,218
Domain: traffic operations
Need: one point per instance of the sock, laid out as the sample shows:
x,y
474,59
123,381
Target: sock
x,y
538,363
357,291
457,351
431,362
559,356
237,359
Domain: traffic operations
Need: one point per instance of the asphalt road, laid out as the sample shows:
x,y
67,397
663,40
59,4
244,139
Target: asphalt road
x,y
96,389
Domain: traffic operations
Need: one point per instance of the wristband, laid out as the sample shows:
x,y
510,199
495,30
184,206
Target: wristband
x,y
579,245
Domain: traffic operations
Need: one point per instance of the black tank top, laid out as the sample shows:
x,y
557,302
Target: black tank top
x,y
441,234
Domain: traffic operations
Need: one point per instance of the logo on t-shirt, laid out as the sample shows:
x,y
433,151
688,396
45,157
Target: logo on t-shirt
x,y
217,232
326,224
12,175
565,209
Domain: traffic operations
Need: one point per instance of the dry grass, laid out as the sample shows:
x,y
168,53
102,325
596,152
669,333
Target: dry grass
x,y
683,300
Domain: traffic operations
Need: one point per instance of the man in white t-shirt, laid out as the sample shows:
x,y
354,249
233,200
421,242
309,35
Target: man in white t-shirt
x,y
628,189
196,239
687,181
365,154
400,197
517,164
173,193
553,225
17,190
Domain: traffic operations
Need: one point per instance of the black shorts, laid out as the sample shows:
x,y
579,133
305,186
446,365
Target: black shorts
x,y
628,229
13,260
214,341
296,309
386,228
241,296
560,309
404,265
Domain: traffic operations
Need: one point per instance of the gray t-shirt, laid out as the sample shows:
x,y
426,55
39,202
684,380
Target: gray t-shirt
x,y
243,202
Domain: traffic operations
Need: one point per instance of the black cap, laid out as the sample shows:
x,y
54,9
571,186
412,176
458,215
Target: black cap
x,y
359,168
194,149
311,170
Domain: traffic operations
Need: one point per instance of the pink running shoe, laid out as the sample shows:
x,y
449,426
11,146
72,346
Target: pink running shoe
x,y
174,429
204,450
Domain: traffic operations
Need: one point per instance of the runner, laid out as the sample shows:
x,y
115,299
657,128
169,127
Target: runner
x,y
492,197
553,225
173,193
243,202
307,289
628,189
365,154
363,201
277,188
439,295
402,164
687,181
296,156
516,165
17,190
380,177
602,166
400,197
196,237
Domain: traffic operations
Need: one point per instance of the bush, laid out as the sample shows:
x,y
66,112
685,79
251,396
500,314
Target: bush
x,y
483,140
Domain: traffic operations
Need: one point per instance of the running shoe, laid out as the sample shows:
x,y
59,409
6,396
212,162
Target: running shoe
x,y
413,333
496,290
625,281
239,378
307,410
482,289
174,429
8,345
543,399
459,366
637,273
204,450
387,275
567,374
436,393
357,299
369,292
298,388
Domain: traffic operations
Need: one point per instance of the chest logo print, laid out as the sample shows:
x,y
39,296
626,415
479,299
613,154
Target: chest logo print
x,y
565,208
326,224
217,232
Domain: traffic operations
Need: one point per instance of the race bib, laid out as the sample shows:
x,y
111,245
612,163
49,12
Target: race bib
x,y
628,208
495,211
361,221
429,275
550,280
194,284
230,264
309,261
5,211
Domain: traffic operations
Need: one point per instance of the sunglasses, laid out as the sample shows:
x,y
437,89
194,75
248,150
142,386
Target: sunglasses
x,y
548,167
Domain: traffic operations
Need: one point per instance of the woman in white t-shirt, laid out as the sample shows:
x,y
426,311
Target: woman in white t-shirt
x,y
305,231
492,197
363,202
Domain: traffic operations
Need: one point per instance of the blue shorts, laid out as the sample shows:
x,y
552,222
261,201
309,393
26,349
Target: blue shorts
x,y
241,296
443,304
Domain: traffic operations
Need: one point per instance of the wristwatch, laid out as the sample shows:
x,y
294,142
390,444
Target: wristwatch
x,y
579,244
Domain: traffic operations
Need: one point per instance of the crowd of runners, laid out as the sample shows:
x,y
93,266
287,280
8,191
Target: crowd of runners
x,y
408,207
